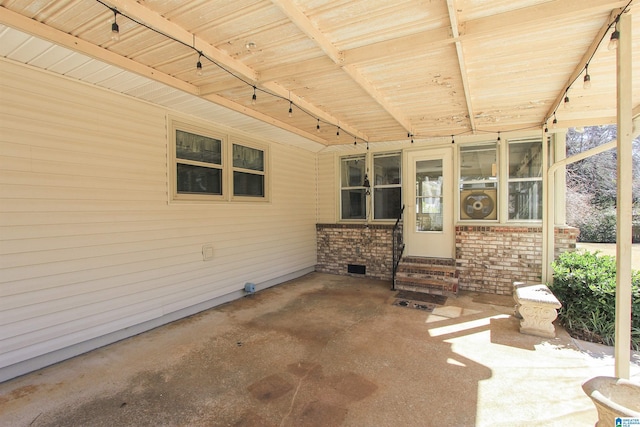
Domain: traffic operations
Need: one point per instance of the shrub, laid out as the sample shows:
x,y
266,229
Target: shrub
x,y
585,284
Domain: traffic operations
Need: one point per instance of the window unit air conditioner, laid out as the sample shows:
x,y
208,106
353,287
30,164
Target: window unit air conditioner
x,y
478,204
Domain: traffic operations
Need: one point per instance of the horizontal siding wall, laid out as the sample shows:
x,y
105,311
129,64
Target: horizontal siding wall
x,y
89,244
327,188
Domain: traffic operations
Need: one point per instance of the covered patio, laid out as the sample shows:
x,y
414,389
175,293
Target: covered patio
x,y
322,350
162,158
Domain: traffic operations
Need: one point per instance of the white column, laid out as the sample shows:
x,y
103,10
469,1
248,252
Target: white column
x,y
624,205
560,190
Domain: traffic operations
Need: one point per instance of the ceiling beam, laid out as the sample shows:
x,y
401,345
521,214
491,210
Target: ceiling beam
x,y
453,18
539,13
37,29
581,64
299,19
143,14
148,17
433,39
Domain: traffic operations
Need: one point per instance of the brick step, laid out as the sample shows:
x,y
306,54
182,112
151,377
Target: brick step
x,y
437,276
429,261
407,277
438,270
428,287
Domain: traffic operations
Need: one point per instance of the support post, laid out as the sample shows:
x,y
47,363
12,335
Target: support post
x,y
624,201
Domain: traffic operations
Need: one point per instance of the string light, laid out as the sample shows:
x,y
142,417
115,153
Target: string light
x,y
115,29
115,35
355,141
613,44
199,66
587,77
498,138
555,121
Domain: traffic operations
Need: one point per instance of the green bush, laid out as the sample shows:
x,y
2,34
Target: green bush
x,y
598,225
585,284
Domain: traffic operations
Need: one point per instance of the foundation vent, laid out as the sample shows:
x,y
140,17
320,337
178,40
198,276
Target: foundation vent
x,y
357,269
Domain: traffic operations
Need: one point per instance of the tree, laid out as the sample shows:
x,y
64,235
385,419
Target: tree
x,y
592,183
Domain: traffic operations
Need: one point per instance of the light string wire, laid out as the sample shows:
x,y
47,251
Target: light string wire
x,y
321,120
231,73
613,23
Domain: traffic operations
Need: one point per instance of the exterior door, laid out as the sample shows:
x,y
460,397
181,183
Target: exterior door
x,y
428,216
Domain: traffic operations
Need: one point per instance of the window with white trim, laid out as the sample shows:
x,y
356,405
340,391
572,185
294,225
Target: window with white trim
x,y
353,198
525,179
387,186
209,165
478,182
248,171
371,184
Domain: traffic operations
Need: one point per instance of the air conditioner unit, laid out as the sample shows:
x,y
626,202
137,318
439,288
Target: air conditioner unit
x,y
478,204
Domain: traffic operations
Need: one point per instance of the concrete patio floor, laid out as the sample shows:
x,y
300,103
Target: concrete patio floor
x,y
322,350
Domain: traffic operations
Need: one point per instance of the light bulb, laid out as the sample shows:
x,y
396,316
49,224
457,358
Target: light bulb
x,y
554,123
338,134
199,68
115,32
290,109
613,41
318,126
254,97
566,101
587,81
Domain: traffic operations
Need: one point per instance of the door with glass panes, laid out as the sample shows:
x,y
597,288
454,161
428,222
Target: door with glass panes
x,y
428,215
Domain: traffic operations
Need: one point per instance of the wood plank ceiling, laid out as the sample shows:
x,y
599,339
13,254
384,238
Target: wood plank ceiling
x,y
374,70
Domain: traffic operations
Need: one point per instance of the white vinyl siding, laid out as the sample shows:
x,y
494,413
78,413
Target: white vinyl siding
x,y
90,245
327,183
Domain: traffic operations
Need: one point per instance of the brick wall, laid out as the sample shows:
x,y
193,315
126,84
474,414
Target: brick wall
x,y
491,258
342,244
488,258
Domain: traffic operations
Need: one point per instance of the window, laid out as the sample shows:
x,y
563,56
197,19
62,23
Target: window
x,y
207,167
387,186
248,171
353,191
198,164
478,182
525,180
382,196
429,207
